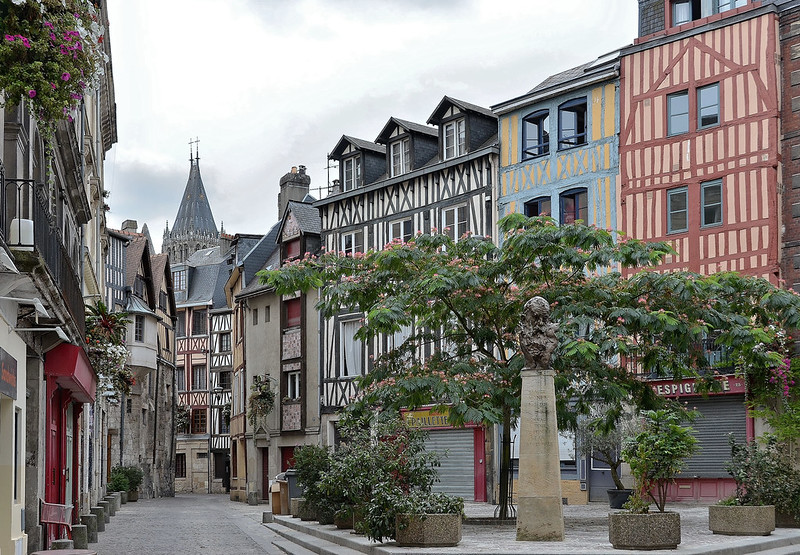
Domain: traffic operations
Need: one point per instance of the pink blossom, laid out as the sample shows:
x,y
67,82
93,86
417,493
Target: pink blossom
x,y
65,76
32,93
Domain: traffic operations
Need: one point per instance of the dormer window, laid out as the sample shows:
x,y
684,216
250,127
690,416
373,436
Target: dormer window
x,y
401,157
684,11
455,139
351,173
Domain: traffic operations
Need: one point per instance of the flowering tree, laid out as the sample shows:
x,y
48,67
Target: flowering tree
x,y
464,299
105,346
51,52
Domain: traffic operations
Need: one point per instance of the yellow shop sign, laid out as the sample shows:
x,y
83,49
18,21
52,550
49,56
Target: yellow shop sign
x,y
426,419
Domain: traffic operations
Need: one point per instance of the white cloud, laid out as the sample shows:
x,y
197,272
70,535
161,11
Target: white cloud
x,y
266,85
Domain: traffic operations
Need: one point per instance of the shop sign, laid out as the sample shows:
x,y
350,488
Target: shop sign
x,y
8,374
426,419
729,385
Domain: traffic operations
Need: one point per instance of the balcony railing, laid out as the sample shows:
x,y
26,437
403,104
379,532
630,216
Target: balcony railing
x,y
27,224
717,359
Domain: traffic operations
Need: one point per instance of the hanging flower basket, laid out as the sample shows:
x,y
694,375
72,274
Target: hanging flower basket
x,y
261,400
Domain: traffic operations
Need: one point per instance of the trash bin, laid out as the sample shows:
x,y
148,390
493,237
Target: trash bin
x,y
295,489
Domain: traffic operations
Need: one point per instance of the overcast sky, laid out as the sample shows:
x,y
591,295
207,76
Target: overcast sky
x,y
271,84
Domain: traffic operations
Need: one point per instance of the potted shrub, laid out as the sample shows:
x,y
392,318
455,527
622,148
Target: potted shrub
x,y
134,475
428,520
655,455
600,437
117,481
311,462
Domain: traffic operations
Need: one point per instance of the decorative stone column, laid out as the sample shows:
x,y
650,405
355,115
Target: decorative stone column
x,y
539,510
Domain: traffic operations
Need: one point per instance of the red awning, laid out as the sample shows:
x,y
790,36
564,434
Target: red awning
x,y
72,370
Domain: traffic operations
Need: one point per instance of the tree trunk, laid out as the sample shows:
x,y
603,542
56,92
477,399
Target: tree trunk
x,y
505,465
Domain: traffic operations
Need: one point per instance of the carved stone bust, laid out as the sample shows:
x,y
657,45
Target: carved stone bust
x,y
537,334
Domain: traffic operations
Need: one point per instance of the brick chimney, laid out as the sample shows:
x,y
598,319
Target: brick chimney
x,y
294,186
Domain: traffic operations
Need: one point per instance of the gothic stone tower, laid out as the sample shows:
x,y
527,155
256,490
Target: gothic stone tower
x,y
194,227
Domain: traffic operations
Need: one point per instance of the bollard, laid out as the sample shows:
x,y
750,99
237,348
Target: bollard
x,y
112,505
106,514
90,521
123,497
61,544
99,512
118,498
80,536
266,517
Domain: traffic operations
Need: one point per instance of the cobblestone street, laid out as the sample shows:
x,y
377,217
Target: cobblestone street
x,y
186,524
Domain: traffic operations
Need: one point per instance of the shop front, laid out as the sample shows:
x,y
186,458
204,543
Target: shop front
x,y
463,453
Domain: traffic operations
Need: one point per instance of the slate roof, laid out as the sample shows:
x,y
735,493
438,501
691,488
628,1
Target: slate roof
x,y
358,143
256,259
307,217
436,116
194,213
383,136
563,77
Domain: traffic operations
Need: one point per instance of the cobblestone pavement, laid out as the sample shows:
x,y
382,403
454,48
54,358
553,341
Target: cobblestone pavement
x,y
184,525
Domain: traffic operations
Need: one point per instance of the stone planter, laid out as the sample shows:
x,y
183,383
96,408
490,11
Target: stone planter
x,y
344,522
644,531
428,530
305,512
738,520
618,497
785,520
133,495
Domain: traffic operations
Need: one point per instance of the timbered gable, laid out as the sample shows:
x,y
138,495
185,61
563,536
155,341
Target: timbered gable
x,y
699,146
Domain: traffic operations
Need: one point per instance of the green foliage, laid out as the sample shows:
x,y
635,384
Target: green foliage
x,y
133,475
118,480
601,435
379,462
311,463
764,475
51,54
261,400
182,418
463,301
105,347
656,454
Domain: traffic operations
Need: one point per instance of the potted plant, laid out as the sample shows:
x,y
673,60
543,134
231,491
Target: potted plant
x,y
117,481
428,520
134,475
655,455
261,400
600,438
311,462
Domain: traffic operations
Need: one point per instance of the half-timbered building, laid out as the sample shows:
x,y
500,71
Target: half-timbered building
x,y
559,157
412,178
700,168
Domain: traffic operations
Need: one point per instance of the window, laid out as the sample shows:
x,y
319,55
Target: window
x,y
677,210
198,421
234,459
180,465
225,342
538,207
455,221
199,321
684,11
352,349
138,328
708,106
293,312
711,201
225,379
162,300
536,134
678,113
572,123
401,229
353,242
455,139
293,385
167,342
352,173
255,316
224,424
180,325
401,158
399,337
574,206
180,379
266,314
198,377
179,280
138,286
293,248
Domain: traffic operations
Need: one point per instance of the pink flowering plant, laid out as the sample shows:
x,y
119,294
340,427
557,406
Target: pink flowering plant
x,y
449,310
51,55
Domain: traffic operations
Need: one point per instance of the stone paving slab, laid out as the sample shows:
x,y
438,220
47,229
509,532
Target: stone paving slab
x,y
586,533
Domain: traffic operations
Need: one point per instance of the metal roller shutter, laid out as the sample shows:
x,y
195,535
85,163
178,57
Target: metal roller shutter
x,y
456,474
720,417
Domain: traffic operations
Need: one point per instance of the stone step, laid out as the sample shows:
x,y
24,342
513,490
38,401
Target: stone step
x,y
311,540
786,550
291,548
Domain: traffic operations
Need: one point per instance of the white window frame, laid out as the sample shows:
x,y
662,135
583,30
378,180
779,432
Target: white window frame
x,y
293,390
351,350
455,221
401,229
455,138
400,157
352,242
351,173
